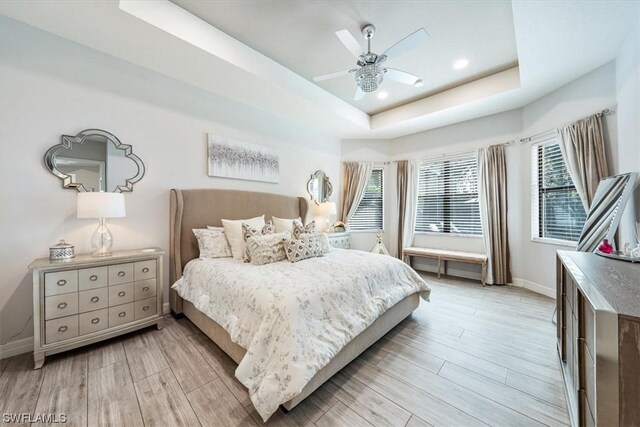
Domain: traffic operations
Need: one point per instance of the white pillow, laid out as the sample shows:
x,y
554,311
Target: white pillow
x,y
233,231
212,243
284,225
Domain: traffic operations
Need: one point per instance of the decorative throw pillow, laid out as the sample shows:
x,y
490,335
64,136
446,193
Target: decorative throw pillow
x,y
212,243
299,229
267,249
284,225
307,246
249,231
233,231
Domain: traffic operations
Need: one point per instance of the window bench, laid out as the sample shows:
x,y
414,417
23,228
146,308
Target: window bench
x,y
447,255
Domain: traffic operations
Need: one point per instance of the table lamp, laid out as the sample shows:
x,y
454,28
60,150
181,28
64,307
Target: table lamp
x,y
101,206
326,209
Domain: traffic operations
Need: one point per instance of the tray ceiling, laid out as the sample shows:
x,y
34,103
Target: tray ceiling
x,y
300,35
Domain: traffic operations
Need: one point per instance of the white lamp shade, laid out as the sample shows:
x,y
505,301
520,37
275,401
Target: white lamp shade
x,y
326,208
101,205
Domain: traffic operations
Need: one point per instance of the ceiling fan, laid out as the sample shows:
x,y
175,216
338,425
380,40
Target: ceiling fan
x,y
369,73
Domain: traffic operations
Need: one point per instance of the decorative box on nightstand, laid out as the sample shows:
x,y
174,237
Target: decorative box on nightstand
x,y
340,240
88,299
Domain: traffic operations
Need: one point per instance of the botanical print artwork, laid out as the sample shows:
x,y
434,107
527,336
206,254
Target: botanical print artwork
x,y
230,158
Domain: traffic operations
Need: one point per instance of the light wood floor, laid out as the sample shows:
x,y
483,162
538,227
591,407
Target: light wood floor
x,y
473,356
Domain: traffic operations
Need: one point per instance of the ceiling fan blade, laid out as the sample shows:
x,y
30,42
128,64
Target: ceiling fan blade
x,y
331,76
407,43
401,76
359,95
349,42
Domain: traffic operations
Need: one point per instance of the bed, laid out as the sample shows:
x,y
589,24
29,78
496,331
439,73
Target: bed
x,y
205,282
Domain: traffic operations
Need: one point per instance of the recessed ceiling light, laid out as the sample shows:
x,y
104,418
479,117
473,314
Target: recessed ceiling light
x,y
382,95
460,64
418,83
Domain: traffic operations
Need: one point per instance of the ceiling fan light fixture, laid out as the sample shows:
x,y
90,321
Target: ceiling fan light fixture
x,y
369,77
382,95
460,63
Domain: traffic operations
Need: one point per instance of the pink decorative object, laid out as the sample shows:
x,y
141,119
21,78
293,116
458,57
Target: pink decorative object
x,y
605,247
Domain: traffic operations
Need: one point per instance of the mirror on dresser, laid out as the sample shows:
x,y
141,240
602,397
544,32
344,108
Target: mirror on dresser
x,y
319,187
94,160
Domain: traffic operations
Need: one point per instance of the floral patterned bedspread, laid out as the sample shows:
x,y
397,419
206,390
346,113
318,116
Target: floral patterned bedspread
x,y
292,318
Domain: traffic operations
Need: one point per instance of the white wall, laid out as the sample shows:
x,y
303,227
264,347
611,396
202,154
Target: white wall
x,y
628,115
51,87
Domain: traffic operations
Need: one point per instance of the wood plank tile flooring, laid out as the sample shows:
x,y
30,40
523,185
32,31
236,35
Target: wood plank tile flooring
x,y
473,356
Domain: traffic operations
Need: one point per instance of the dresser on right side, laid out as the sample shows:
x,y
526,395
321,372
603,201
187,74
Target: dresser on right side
x,y
599,338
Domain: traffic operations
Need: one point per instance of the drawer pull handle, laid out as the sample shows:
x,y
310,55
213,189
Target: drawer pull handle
x,y
122,314
62,282
95,299
95,320
62,305
93,277
121,273
145,270
63,328
121,293
145,308
145,289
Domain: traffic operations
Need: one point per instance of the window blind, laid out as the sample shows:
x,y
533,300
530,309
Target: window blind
x,y
369,215
561,214
448,196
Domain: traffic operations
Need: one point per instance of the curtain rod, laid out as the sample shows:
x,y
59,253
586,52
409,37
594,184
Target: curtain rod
x,y
550,132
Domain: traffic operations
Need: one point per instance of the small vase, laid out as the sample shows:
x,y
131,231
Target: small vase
x,y
605,247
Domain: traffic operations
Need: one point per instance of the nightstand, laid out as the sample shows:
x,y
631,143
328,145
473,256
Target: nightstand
x,y
340,240
88,299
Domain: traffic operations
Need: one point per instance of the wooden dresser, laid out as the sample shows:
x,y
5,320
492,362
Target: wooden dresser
x,y
88,299
599,338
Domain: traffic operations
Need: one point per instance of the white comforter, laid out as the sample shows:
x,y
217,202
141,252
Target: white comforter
x,y
293,318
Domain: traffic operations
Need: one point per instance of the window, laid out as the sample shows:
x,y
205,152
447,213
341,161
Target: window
x,y
558,213
448,196
369,215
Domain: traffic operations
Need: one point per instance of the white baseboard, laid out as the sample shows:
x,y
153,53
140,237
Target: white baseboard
x,y
535,287
13,348
450,272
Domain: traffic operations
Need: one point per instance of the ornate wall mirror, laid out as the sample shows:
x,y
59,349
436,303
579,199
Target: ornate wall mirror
x,y
319,187
94,160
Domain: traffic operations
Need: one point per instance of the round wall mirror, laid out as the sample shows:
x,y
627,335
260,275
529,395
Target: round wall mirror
x,y
94,160
319,187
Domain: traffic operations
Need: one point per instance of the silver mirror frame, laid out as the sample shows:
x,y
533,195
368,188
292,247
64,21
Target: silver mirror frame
x,y
67,144
326,185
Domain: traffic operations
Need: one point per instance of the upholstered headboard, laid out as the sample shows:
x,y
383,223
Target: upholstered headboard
x,y
199,208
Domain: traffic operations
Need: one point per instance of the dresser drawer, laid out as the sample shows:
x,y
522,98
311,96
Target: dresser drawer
x,y
145,308
61,329
93,321
91,278
588,375
61,282
145,289
93,299
120,273
143,270
120,314
60,306
120,294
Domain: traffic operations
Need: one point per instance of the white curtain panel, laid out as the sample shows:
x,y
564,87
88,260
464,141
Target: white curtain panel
x,y
354,177
411,202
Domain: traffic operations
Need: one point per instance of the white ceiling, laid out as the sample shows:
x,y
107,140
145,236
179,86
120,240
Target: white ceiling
x,y
557,42
301,36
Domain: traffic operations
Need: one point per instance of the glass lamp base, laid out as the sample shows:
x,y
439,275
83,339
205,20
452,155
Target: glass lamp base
x,y
101,240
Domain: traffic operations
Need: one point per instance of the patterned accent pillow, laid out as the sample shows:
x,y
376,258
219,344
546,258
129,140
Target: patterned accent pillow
x,y
267,249
299,229
307,246
248,231
212,243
